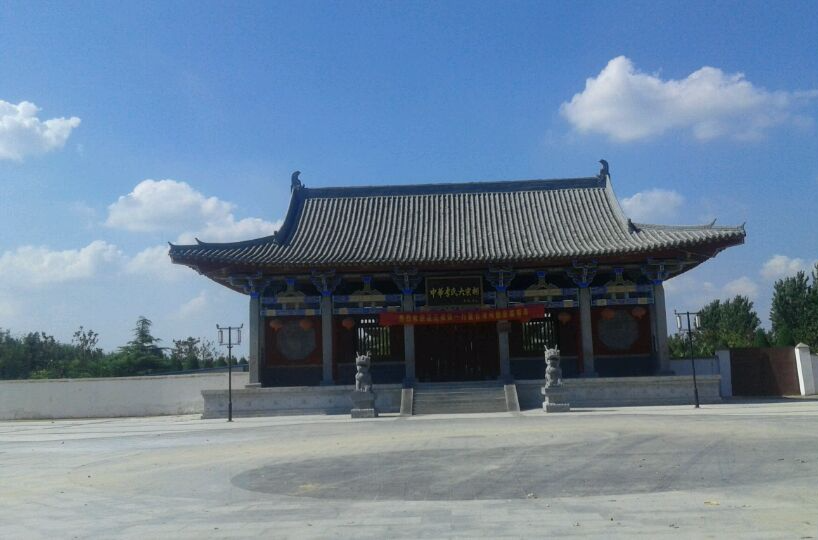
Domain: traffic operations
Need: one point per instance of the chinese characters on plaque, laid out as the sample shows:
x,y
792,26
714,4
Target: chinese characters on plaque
x,y
454,291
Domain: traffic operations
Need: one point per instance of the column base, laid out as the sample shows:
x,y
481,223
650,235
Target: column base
x,y
253,385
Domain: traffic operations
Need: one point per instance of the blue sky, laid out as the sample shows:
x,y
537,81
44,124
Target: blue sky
x,y
703,109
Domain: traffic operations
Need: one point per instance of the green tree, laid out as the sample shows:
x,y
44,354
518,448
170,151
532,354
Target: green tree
x,y
762,338
732,323
207,353
794,310
46,357
86,354
142,355
185,354
789,308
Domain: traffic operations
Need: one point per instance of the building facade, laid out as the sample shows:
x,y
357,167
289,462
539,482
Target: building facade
x,y
457,282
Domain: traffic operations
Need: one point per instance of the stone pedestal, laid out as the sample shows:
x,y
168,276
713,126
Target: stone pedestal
x,y
554,400
363,404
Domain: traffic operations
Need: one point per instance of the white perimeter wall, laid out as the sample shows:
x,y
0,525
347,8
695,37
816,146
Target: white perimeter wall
x,y
807,366
120,396
704,366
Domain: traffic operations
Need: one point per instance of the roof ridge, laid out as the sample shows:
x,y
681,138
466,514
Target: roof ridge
x,y
705,226
239,243
486,186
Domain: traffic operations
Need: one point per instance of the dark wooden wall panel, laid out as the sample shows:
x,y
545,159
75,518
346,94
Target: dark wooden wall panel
x,y
767,371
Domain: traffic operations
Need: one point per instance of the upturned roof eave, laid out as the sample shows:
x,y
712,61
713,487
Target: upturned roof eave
x,y
640,252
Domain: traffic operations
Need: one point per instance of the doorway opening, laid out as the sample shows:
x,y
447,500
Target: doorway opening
x,y
457,352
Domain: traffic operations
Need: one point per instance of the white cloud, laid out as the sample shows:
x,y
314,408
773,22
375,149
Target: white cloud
x,y
154,262
781,266
30,265
229,230
652,206
626,104
22,134
688,292
743,286
169,205
165,205
193,307
152,206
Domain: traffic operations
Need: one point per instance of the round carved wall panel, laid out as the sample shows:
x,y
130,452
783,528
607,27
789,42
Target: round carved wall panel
x,y
295,342
620,332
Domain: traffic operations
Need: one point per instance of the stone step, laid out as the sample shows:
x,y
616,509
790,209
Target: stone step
x,y
469,410
459,398
459,395
459,384
472,408
473,403
462,396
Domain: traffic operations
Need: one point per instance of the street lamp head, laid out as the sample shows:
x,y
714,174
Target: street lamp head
x,y
679,322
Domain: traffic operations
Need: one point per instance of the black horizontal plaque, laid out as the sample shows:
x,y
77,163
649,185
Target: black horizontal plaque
x,y
454,291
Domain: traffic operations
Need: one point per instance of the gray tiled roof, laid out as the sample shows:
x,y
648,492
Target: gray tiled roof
x,y
473,223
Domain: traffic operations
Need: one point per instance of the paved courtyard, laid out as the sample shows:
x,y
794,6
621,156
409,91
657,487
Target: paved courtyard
x,y
730,470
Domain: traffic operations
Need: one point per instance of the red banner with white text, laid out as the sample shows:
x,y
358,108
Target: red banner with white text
x,y
464,316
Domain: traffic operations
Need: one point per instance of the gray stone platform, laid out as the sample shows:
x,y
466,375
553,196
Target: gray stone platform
x,y
295,400
624,391
596,392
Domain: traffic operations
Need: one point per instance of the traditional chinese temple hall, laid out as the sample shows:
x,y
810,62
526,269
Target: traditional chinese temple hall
x,y
457,282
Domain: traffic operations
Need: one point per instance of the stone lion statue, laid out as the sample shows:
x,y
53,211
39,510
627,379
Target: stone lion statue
x,y
553,373
363,380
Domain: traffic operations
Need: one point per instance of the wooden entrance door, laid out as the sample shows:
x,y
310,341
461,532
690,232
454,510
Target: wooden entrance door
x,y
458,352
767,371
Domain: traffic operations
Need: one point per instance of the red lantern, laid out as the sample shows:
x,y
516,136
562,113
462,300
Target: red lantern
x,y
608,314
348,323
276,325
638,312
564,317
305,324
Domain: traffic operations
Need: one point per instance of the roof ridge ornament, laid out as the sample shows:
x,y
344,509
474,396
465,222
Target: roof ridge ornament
x,y
295,182
604,172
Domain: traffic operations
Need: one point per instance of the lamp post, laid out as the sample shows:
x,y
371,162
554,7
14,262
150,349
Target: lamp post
x,y
690,328
230,345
